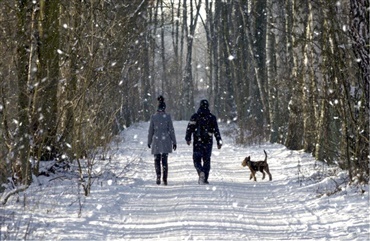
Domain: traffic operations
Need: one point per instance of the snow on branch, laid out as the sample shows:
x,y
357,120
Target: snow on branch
x,y
13,192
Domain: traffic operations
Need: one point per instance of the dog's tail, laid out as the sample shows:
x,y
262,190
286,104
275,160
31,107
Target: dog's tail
x,y
265,156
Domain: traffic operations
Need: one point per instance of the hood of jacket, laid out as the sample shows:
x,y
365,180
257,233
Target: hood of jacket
x,y
203,111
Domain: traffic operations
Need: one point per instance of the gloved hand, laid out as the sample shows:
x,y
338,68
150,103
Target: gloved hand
x,y
174,147
149,145
219,144
188,142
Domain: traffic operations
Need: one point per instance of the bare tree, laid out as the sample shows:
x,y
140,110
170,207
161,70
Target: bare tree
x,y
188,98
278,69
21,165
360,34
295,125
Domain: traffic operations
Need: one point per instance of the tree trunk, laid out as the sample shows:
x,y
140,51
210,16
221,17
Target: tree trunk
x,y
260,56
272,36
188,95
227,63
215,43
242,79
294,139
69,130
360,34
309,86
23,147
48,76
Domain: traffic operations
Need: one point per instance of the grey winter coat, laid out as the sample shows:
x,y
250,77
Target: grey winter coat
x,y
161,135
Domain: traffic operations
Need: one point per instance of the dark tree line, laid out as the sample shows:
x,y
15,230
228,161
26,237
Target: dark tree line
x,y
66,79
75,73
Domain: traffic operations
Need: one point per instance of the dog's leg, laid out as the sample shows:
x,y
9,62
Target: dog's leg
x,y
267,167
254,176
263,175
268,172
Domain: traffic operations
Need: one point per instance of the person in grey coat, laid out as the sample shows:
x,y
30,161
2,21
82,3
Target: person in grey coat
x,y
161,139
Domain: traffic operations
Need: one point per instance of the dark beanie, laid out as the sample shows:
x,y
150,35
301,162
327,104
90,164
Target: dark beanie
x,y
161,104
204,104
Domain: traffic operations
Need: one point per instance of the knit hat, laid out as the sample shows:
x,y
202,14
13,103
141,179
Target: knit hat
x,y
161,104
204,104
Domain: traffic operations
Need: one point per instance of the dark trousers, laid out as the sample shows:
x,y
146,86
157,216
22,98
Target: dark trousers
x,y
202,158
158,159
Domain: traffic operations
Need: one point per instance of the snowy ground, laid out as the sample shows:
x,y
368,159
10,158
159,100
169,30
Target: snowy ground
x,y
301,202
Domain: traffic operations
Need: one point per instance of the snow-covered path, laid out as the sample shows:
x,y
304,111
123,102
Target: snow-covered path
x,y
126,204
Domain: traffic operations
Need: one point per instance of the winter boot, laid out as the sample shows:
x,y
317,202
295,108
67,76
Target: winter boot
x,y
206,175
202,178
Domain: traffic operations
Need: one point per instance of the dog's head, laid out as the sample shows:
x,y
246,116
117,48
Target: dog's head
x,y
246,160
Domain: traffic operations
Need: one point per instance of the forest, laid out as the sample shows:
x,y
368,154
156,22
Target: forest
x,y
73,74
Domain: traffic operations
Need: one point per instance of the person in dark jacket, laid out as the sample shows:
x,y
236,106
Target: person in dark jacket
x,y
161,139
203,126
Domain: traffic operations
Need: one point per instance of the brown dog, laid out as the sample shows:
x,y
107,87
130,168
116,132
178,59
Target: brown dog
x,y
261,166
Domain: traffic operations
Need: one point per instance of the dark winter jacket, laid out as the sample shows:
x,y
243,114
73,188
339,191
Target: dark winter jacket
x,y
203,126
161,135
